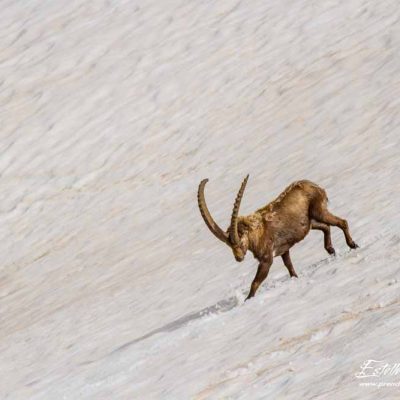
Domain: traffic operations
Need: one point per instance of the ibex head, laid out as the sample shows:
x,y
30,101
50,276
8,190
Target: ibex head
x,y
235,237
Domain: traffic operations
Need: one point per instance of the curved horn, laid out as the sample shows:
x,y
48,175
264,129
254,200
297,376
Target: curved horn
x,y
233,230
214,228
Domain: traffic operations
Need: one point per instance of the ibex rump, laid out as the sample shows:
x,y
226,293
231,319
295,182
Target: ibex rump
x,y
272,230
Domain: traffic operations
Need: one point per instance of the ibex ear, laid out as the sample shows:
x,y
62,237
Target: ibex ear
x,y
242,227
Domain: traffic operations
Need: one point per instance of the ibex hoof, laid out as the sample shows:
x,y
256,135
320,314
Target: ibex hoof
x,y
331,251
354,245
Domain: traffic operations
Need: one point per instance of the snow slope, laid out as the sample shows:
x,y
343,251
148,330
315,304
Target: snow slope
x,y
111,286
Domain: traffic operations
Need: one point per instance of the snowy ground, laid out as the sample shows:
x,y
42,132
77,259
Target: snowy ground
x,y
111,286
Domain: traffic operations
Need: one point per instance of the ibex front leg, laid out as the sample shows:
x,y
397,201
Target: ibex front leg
x,y
262,273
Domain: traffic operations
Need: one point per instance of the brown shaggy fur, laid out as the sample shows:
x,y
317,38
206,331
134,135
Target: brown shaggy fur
x,y
273,229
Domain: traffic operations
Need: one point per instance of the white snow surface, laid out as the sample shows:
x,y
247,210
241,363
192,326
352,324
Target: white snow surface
x,y
111,286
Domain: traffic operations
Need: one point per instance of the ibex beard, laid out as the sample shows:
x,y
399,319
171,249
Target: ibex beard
x,y
273,229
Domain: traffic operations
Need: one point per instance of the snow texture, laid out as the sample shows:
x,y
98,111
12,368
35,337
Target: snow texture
x,y
111,286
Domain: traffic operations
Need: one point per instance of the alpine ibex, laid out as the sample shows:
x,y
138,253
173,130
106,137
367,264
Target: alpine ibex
x,y
272,230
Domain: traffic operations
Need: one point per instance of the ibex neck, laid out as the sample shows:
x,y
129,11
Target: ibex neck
x,y
259,238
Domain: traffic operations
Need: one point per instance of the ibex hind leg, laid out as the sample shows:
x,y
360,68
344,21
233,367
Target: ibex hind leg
x,y
320,213
325,228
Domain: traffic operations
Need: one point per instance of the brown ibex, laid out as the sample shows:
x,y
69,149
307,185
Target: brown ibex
x,y
272,230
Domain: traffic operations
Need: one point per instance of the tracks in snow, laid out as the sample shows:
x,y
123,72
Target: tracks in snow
x,y
226,305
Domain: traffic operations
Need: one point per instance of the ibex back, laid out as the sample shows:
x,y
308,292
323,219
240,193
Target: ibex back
x,y
273,229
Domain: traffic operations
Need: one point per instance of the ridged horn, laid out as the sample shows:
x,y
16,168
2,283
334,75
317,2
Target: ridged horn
x,y
233,230
212,225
